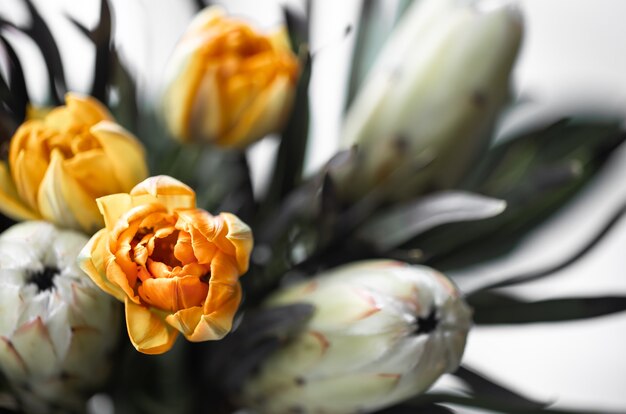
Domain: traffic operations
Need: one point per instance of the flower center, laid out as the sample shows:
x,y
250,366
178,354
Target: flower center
x,y
164,250
428,324
43,279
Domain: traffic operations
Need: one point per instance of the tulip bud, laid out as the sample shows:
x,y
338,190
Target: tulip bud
x,y
56,328
59,164
431,99
227,83
382,331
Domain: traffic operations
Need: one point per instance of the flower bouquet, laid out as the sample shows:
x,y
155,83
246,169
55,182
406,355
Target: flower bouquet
x,y
149,274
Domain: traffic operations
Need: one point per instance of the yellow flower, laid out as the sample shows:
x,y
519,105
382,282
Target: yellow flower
x,y
60,163
176,267
228,83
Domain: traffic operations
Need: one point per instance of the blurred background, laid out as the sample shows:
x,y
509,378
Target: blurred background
x,y
572,59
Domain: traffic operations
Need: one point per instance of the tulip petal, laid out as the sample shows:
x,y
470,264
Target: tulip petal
x,y
78,109
175,293
265,115
28,172
92,259
123,151
168,191
148,333
115,206
63,201
10,202
94,172
240,236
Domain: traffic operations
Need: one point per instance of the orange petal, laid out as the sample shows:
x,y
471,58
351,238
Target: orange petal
x,y
92,259
198,327
147,331
116,276
223,270
79,110
170,192
201,226
10,202
28,172
115,206
63,200
125,154
93,170
175,293
183,250
240,235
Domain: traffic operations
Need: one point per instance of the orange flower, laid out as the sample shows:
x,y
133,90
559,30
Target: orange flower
x,y
176,267
227,82
61,160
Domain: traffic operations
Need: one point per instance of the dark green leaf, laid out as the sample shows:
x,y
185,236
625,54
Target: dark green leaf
x,y
536,174
40,33
422,409
403,222
481,385
14,93
298,25
485,402
288,166
492,308
100,36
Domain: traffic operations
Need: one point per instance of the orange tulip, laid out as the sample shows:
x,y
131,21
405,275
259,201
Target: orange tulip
x,y
61,160
227,82
176,267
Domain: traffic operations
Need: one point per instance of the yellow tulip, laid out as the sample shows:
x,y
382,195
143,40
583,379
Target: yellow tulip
x,y
176,267
228,83
60,163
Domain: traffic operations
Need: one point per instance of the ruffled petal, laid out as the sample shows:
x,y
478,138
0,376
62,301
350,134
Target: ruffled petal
x,y
124,153
63,201
198,326
92,259
175,293
170,192
115,206
240,235
10,202
147,331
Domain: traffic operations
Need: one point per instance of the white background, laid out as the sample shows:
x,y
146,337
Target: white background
x,y
574,54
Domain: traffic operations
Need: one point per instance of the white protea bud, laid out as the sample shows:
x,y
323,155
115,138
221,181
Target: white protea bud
x,y
382,331
432,97
57,328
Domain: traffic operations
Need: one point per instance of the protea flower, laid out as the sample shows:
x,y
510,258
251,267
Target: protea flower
x,y
56,327
382,331
429,103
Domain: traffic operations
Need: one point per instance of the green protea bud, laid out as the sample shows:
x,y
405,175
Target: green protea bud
x,y
382,331
431,99
56,327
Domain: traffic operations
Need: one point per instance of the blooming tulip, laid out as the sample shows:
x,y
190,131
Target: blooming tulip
x,y
429,103
60,164
227,83
57,328
176,267
382,331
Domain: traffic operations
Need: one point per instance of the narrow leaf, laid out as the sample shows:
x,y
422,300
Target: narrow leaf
x,y
481,385
402,223
492,308
42,36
